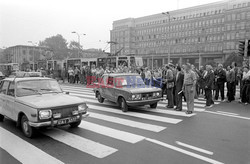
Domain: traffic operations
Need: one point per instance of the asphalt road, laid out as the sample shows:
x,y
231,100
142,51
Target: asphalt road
x,y
140,136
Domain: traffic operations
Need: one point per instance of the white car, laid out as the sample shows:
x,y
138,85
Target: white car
x,y
35,102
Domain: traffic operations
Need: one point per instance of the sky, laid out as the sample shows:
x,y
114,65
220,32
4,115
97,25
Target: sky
x,y
34,20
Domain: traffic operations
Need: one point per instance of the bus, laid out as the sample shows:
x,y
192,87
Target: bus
x,y
7,68
115,61
80,62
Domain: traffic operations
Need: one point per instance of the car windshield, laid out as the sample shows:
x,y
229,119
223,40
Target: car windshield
x,y
132,80
34,87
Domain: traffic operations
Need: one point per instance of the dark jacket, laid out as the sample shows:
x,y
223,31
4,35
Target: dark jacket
x,y
179,81
220,76
209,79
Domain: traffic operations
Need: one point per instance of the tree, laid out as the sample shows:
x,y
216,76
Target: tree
x,y
233,58
75,49
58,45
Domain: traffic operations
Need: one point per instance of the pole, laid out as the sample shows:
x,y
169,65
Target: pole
x,y
152,61
169,38
33,59
78,45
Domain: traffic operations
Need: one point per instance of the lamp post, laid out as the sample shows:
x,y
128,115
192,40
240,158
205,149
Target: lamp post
x,y
33,54
169,23
79,42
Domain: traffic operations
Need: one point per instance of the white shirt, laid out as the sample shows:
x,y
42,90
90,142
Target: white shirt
x,y
246,75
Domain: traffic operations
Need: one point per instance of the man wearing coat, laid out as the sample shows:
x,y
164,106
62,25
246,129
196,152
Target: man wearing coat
x,y
178,88
209,79
169,80
220,79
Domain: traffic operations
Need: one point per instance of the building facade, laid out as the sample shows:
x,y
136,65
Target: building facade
x,y
197,34
28,57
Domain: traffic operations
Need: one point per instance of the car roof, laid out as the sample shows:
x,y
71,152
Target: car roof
x,y
121,74
17,79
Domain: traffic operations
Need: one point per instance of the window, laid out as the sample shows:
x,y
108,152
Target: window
x,y
11,90
4,87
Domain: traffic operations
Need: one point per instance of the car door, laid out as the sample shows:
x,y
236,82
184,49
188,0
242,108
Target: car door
x,y
3,97
110,90
102,85
10,101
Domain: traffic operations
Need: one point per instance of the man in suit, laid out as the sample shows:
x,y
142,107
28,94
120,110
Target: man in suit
x,y
209,79
178,88
169,80
220,79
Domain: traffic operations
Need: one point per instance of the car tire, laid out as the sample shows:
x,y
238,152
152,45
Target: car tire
x,y
153,105
75,124
123,104
1,118
99,97
28,131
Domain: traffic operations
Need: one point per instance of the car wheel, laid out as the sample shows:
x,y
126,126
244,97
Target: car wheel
x,y
99,97
1,118
75,124
26,128
123,105
153,105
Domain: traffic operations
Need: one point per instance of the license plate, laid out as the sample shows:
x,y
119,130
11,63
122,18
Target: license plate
x,y
67,120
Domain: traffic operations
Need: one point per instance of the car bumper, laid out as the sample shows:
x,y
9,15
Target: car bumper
x,y
143,102
52,122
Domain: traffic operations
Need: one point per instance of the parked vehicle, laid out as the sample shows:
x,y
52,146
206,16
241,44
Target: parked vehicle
x,y
126,89
35,102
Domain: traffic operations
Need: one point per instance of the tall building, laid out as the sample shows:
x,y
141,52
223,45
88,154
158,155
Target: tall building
x,y
197,34
27,56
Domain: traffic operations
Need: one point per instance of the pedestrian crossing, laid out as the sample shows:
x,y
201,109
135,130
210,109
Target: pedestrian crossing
x,y
140,118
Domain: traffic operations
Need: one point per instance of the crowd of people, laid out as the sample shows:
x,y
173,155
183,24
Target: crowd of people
x,y
179,81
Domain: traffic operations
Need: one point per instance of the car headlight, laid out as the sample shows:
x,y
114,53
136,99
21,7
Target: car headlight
x,y
82,108
136,97
157,93
45,114
133,97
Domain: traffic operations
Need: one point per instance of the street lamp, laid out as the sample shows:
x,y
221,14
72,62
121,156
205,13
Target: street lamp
x,y
169,23
79,37
33,54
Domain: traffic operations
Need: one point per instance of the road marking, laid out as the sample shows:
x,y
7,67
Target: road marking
x,y
82,95
204,101
184,107
171,112
24,151
78,90
85,145
134,114
126,122
160,104
245,118
90,99
209,160
113,133
195,148
228,113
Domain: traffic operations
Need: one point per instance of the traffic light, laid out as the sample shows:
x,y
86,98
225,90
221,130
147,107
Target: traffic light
x,y
241,48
